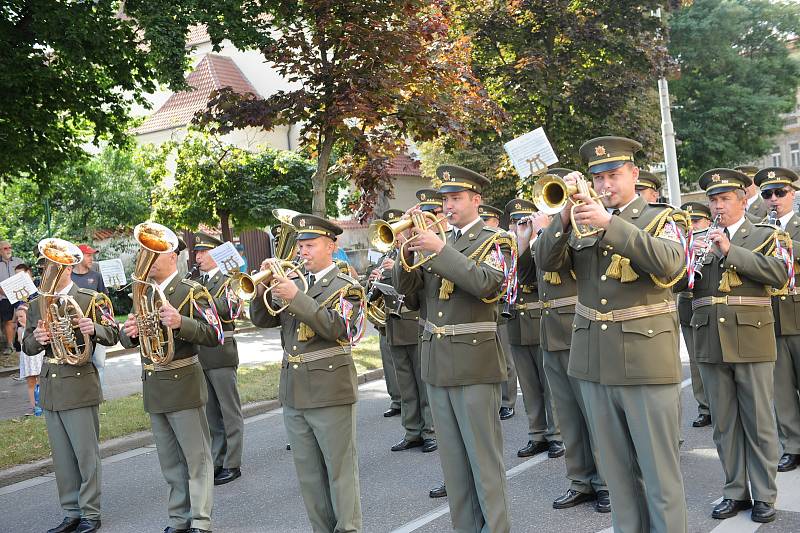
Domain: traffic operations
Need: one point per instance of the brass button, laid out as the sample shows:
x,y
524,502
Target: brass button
x,y
574,326
294,347
471,235
175,376
294,366
298,330
578,246
474,341
650,331
783,297
722,320
330,366
635,211
603,277
149,374
605,253
53,375
603,301
604,326
547,312
558,234
78,373
429,269
758,323
440,313
438,335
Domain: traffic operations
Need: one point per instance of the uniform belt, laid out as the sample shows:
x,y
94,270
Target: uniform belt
x,y
460,329
631,313
528,305
172,365
316,355
55,361
757,301
560,302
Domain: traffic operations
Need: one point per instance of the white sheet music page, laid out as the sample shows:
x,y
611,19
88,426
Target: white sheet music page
x,y
18,288
113,272
227,258
531,153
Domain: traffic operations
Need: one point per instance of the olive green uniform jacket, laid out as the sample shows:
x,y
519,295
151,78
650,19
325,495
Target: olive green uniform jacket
x,y
225,355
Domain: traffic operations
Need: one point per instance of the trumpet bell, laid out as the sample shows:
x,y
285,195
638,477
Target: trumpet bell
x,y
382,234
60,251
245,286
284,215
551,194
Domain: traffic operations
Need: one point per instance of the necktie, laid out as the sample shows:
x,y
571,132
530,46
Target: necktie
x,y
311,279
204,279
457,235
778,223
615,212
727,233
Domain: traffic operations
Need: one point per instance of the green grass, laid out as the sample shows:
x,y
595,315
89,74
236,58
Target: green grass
x,y
25,439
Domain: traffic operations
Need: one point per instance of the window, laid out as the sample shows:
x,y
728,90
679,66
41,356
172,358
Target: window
x,y
794,154
776,157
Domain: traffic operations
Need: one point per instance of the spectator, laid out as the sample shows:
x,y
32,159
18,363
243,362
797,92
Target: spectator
x,y
8,264
87,277
29,365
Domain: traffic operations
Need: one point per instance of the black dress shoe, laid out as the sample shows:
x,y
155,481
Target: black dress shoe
x,y
227,475
406,444
571,498
429,445
603,502
506,413
390,412
788,462
532,448
170,529
88,525
217,470
67,525
555,448
702,421
728,508
438,492
762,512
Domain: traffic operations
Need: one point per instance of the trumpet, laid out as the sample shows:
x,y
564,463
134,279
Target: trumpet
x,y
699,258
382,235
60,312
246,285
551,194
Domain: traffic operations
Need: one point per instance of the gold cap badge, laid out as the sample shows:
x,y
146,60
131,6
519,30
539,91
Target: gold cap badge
x,y
600,150
716,177
771,174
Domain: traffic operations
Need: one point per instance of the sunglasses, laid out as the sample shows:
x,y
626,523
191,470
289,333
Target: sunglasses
x,y
780,193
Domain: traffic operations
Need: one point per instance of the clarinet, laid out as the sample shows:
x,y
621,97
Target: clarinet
x,y
371,292
772,218
700,257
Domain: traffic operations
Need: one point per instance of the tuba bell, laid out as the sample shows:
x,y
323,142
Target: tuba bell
x,y
551,194
156,341
60,312
285,234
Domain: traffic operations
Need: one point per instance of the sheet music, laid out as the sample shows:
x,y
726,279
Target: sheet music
x,y
227,258
113,272
18,288
388,290
531,153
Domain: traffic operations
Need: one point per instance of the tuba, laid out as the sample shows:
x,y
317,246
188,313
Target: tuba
x,y
156,341
382,235
285,234
551,194
60,312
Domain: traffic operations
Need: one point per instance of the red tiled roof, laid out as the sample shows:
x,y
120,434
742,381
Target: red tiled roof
x,y
196,35
403,165
103,234
350,223
212,73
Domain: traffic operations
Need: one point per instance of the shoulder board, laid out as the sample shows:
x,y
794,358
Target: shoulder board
x,y
88,292
191,283
700,231
663,204
347,278
493,230
765,225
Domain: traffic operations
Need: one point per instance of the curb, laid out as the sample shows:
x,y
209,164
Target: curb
x,y
18,473
110,354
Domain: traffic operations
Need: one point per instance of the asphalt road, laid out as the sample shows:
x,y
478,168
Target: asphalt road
x,y
394,485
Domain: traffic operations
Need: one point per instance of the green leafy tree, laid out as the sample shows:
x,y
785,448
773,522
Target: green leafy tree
x,y
110,190
737,77
578,69
219,184
71,71
366,75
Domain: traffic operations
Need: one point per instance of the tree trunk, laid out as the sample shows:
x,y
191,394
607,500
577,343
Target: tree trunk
x,y
319,181
225,224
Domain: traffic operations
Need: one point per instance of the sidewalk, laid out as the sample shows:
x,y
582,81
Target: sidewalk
x,y
123,369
